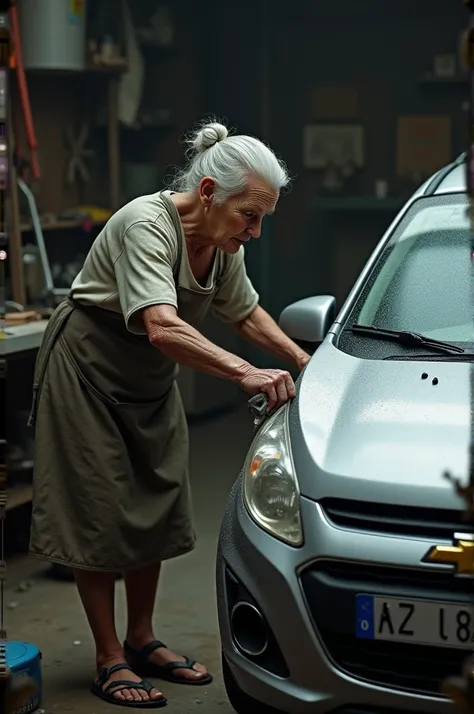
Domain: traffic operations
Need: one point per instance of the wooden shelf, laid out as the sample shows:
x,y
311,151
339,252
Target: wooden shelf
x,y
19,496
59,225
106,69
357,203
90,69
459,80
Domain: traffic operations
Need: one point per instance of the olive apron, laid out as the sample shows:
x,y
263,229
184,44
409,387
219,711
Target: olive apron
x,y
111,487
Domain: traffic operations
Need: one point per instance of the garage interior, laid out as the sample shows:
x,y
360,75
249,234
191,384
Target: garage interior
x,y
109,96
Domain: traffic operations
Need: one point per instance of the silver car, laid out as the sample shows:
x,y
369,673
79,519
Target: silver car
x,y
344,570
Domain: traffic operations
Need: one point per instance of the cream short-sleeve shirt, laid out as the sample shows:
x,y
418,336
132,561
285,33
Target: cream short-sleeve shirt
x,y
131,265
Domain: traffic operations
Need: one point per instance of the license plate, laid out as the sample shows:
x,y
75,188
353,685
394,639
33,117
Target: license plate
x,y
422,622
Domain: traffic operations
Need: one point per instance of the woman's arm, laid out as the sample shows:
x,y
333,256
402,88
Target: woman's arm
x,y
261,330
184,344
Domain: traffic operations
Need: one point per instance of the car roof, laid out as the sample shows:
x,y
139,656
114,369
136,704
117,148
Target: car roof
x,y
449,179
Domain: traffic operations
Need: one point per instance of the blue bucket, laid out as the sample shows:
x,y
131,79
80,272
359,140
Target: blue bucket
x,y
24,660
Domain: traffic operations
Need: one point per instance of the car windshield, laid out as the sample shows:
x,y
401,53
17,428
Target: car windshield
x,y
424,282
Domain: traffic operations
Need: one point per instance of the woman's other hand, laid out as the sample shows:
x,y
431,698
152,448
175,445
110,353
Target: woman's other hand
x,y
302,360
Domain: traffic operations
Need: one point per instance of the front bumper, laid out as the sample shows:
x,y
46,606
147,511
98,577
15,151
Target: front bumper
x,y
307,598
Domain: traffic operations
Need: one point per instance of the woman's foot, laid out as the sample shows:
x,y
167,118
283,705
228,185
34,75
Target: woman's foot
x,y
147,654
127,694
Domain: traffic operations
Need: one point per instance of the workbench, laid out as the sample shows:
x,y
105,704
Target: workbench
x,y
19,340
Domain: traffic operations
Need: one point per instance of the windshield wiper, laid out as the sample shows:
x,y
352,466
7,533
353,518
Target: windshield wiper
x,y
410,339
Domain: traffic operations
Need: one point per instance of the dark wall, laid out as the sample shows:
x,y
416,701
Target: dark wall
x,y
259,62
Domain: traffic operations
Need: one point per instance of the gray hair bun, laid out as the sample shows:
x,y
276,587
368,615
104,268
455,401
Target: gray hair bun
x,y
209,135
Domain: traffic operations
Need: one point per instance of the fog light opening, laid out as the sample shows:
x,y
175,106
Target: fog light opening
x,y
249,629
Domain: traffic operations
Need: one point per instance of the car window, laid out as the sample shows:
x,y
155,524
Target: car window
x,y
423,281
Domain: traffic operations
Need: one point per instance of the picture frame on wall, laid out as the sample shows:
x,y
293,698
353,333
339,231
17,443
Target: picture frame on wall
x,y
333,145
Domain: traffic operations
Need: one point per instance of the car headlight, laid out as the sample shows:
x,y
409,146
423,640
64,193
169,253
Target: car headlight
x,y
271,491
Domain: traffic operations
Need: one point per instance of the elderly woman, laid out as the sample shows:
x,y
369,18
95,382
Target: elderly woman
x,y
111,490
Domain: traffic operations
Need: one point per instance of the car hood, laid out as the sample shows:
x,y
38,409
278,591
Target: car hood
x,y
359,428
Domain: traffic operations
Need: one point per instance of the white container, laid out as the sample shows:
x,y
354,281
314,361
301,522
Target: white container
x,y
53,34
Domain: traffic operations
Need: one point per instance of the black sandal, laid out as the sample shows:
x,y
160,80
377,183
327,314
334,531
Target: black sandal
x,y
107,693
138,660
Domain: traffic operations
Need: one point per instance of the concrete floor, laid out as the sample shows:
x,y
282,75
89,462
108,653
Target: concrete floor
x,y
48,613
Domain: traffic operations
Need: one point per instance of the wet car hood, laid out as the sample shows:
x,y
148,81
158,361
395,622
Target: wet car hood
x,y
375,430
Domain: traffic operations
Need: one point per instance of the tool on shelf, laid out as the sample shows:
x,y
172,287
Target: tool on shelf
x,y
50,289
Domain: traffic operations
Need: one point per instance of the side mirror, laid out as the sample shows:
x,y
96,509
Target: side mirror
x,y
307,321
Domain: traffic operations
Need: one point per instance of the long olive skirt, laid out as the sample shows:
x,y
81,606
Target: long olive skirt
x,y
111,488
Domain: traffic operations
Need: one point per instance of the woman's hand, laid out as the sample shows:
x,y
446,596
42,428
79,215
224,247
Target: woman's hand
x,y
302,359
277,384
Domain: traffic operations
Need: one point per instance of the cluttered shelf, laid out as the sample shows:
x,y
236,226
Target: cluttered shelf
x,y
58,224
85,217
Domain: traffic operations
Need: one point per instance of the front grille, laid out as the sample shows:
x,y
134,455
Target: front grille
x,y
408,667
330,589
388,519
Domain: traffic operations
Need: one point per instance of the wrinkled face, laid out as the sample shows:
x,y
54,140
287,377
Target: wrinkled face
x,y
232,223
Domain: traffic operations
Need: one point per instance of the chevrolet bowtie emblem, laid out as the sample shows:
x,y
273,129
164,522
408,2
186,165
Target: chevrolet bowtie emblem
x,y
460,555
